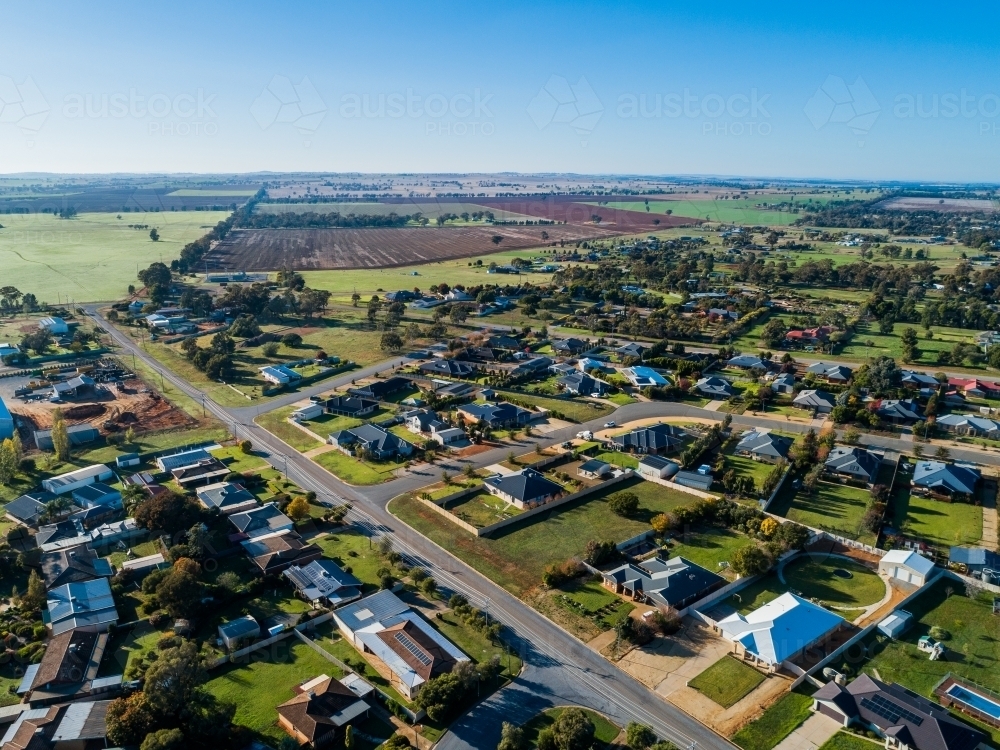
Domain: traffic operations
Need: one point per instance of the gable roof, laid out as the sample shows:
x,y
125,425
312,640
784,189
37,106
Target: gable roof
x,y
27,508
323,579
526,485
272,553
952,478
265,518
764,444
979,424
814,398
854,461
651,439
413,645
781,628
324,706
910,559
79,604
71,565
912,377
240,627
667,582
898,409
225,495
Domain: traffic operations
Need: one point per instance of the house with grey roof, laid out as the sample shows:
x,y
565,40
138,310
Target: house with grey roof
x,y
323,582
949,480
918,380
898,411
819,402
72,565
656,467
656,438
763,446
747,362
266,519
851,462
372,440
715,387
830,372
783,383
87,605
525,489
967,424
581,384
674,582
226,497
96,495
27,508
496,415
350,406
451,368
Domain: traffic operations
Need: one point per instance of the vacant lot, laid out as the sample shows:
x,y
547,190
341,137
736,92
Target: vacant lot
x,y
91,257
836,508
708,546
726,681
378,247
276,422
776,723
941,524
575,410
518,554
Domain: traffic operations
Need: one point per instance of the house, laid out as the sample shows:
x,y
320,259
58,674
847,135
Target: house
x,y
402,295
906,566
918,380
809,336
72,566
312,411
69,726
589,364
663,582
499,341
939,478
279,374
73,533
905,720
350,406
570,347
63,483
372,440
6,422
531,367
631,350
126,460
448,435
714,387
451,368
819,402
581,384
898,411
397,640
380,390
145,480
422,420
966,424
784,383
184,458
53,325
139,567
976,560
68,670
832,373
27,508
655,467
594,469
643,377
763,446
266,519
657,438
974,388
525,489
320,711
721,312
96,495
457,295
274,553
496,415
322,582
203,471
853,463
779,630
747,362
239,632
78,434
226,497
697,480
87,605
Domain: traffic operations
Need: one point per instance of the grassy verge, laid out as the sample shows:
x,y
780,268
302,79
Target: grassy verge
x,y
276,422
355,471
604,731
779,721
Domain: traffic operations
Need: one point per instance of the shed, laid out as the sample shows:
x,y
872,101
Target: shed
x,y
906,566
694,479
895,624
127,459
6,422
308,412
594,469
657,467
237,632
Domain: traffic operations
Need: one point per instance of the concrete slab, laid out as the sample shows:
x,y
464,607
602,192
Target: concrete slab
x,y
810,734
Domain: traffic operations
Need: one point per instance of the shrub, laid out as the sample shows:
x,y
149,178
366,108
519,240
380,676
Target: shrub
x,y
624,503
246,447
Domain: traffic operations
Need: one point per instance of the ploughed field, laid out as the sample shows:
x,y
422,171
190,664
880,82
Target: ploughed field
x,y
381,247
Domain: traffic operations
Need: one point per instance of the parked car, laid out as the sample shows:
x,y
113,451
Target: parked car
x,y
612,423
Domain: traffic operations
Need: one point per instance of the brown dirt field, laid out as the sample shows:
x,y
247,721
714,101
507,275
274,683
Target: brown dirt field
x,y
379,247
571,209
944,205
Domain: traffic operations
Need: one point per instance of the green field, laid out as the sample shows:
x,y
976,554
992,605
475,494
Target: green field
x,y
942,524
355,471
779,721
517,555
708,546
727,681
836,508
91,257
276,422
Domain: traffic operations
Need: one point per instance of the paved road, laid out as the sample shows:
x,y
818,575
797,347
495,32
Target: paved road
x,y
561,669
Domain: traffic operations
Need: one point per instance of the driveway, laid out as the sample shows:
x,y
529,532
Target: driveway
x,y
811,734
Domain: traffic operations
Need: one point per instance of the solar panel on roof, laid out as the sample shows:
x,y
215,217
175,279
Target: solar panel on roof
x,y
410,645
885,708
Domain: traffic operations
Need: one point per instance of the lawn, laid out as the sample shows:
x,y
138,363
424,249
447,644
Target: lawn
x,y
779,721
939,523
836,508
517,555
355,471
624,460
726,681
745,467
588,598
708,546
605,732
483,509
276,422
848,741
266,681
93,256
575,410
478,647
813,576
128,646
350,548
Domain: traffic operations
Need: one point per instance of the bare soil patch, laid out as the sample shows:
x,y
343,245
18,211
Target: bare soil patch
x,y
573,210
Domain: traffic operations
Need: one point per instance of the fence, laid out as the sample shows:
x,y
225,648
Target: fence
x,y
237,655
781,483
695,610
270,390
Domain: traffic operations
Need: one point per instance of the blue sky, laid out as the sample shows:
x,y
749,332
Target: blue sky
x,y
812,90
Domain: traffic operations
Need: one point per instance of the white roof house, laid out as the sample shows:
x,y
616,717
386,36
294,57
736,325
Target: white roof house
x,y
780,630
73,480
907,566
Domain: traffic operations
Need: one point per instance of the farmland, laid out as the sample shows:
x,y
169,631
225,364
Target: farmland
x,y
91,257
429,209
379,247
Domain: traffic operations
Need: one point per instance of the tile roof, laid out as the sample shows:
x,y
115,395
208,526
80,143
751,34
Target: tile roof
x,y
322,708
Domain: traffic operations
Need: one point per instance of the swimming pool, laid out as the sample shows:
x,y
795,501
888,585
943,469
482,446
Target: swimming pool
x,y
975,700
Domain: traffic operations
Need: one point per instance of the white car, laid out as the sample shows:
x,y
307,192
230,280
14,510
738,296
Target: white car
x,y
586,435
610,424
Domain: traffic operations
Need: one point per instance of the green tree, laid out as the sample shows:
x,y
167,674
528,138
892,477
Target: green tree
x,y
511,737
909,345
624,503
804,450
155,237
8,462
60,436
773,333
163,739
749,561
573,730
349,737
391,342
34,597
132,496
638,736
440,695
